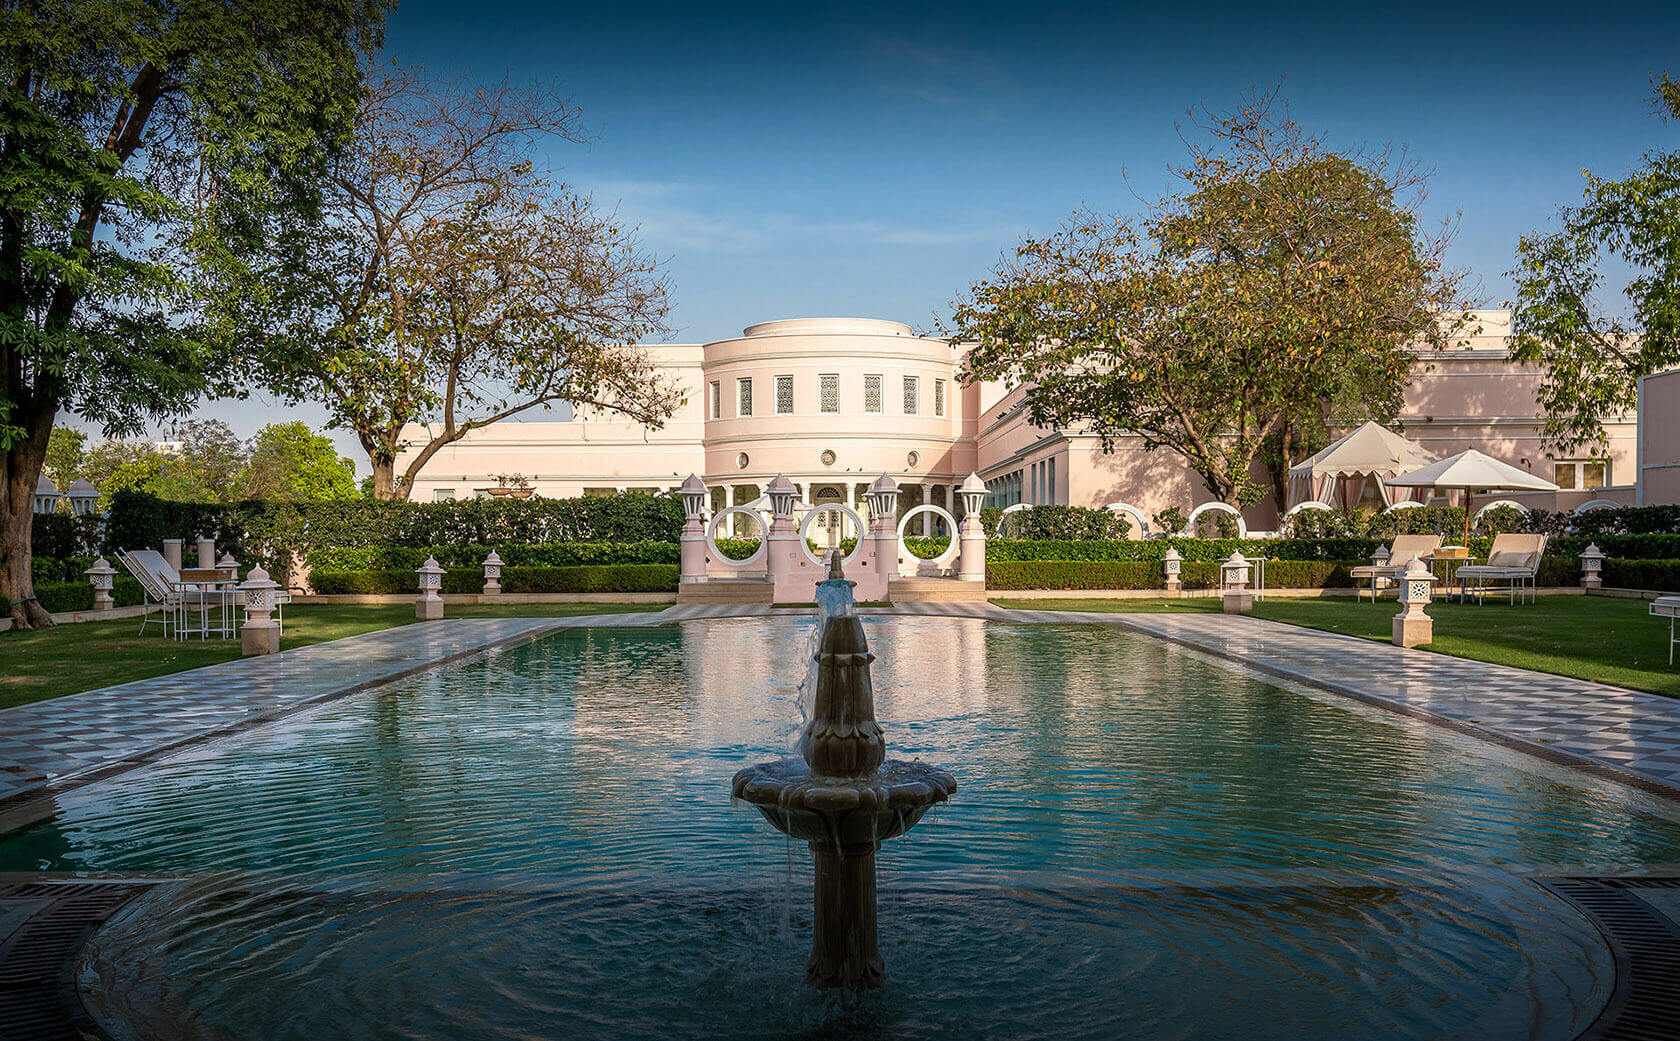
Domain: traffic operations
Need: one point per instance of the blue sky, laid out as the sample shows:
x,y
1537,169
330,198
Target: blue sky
x,y
802,160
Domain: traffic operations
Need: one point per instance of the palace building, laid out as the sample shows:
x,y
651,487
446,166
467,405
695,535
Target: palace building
x,y
833,403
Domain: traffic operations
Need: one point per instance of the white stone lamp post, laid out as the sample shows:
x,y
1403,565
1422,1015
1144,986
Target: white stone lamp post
x,y
1172,563
971,565
46,495
429,608
261,634
492,574
1379,556
1411,626
83,497
694,530
1592,567
228,566
1236,597
100,576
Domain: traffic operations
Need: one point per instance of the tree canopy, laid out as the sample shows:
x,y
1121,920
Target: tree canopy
x,y
1284,284
291,461
142,142
1593,353
449,283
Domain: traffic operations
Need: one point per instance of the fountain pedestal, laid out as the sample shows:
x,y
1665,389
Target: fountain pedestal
x,y
845,950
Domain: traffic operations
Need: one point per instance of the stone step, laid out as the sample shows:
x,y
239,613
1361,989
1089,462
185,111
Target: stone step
x,y
726,591
935,590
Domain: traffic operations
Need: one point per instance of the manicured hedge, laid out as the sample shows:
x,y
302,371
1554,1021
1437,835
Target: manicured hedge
x,y
259,532
1661,576
1073,574
64,535
1189,549
554,554
597,578
78,596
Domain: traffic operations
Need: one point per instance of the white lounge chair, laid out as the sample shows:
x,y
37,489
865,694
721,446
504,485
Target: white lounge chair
x,y
1400,553
1513,561
164,588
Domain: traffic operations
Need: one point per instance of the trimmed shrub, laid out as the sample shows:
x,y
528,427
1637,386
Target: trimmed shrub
x,y
78,596
554,554
1658,576
1190,549
1074,574
594,578
61,535
1148,574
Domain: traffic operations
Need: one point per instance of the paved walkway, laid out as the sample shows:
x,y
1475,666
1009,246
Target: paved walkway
x,y
68,741
1628,734
82,736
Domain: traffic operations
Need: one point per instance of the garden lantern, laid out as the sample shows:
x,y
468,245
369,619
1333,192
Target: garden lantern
x,y
1233,583
883,498
101,576
782,494
693,495
492,574
1172,563
46,495
1411,626
973,494
228,566
262,633
83,497
429,607
1379,556
1592,567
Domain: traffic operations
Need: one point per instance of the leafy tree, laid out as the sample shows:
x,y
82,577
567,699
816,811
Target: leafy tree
x,y
66,450
208,466
112,466
1283,282
448,283
1592,357
290,461
141,143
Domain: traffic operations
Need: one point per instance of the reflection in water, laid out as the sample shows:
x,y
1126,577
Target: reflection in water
x,y
540,843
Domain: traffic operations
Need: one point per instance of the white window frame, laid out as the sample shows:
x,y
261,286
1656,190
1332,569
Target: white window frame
x,y
784,395
717,400
939,397
912,395
828,392
1580,466
743,396
443,495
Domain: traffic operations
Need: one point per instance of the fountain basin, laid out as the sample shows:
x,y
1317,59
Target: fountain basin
x,y
843,812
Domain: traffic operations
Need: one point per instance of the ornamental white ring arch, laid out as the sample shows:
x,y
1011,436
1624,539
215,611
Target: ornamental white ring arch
x,y
1310,504
1403,504
1003,533
1595,504
1134,513
1495,504
763,536
827,507
1217,507
951,551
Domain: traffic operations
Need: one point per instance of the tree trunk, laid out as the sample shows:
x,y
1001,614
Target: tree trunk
x,y
20,468
384,479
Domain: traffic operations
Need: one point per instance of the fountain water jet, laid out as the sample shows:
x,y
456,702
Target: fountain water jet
x,y
844,797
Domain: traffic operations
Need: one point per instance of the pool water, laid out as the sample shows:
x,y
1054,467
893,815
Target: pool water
x,y
541,844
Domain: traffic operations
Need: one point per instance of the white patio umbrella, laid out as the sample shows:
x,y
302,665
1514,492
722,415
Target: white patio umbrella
x,y
1469,472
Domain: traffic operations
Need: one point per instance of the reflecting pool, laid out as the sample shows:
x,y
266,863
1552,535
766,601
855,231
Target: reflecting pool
x,y
540,844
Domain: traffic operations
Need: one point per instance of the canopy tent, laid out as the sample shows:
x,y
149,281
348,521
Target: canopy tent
x,y
1341,469
1469,472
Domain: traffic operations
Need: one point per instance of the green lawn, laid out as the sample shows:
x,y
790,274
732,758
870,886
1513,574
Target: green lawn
x,y
70,658
1598,638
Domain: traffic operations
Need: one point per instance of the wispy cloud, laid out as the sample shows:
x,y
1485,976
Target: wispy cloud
x,y
943,73
687,216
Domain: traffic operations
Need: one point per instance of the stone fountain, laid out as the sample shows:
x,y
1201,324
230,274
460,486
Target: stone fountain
x,y
844,796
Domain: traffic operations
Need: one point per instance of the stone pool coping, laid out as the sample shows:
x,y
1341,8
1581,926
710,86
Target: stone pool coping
x,y
51,747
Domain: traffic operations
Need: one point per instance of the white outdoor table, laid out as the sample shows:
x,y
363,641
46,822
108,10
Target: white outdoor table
x,y
210,586
1667,607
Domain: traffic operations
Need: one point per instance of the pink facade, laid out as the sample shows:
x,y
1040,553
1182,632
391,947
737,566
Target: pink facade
x,y
834,403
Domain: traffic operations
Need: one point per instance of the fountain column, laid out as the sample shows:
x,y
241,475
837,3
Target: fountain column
x,y
845,948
